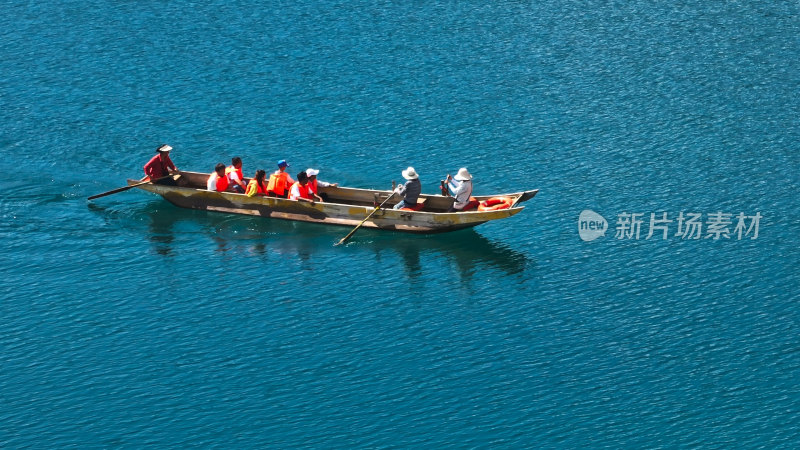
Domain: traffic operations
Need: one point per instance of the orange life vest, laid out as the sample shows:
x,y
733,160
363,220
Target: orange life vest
x,y
312,186
303,190
278,182
222,184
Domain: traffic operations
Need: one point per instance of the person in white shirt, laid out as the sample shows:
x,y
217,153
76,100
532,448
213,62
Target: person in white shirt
x,y
299,190
218,181
235,176
461,188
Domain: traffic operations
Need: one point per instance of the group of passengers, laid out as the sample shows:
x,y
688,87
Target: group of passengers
x,y
279,184
306,188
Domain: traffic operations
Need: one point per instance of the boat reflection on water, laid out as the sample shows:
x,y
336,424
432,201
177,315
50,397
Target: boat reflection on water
x,y
465,251
158,218
161,233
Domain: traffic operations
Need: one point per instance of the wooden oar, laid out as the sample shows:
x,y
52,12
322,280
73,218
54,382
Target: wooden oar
x,y
344,239
125,188
443,186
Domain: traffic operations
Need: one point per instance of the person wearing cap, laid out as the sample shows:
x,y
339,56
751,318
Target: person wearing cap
x,y
218,181
280,181
160,166
235,176
299,190
461,188
314,184
410,190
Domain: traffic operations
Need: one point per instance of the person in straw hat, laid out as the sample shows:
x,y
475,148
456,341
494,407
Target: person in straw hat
x,y
160,166
461,188
410,190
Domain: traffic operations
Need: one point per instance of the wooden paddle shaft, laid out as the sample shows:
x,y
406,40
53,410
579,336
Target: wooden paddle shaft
x,y
344,239
125,188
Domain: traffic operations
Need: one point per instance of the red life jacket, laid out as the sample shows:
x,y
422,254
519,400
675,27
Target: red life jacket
x,y
303,190
222,184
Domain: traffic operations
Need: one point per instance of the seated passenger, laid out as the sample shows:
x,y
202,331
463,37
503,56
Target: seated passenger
x,y
257,185
299,190
218,181
235,176
314,184
461,188
279,181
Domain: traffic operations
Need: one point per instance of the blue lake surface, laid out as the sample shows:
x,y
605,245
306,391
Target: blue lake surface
x,y
128,322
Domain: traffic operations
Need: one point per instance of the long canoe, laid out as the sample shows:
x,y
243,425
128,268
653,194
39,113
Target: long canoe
x,y
343,206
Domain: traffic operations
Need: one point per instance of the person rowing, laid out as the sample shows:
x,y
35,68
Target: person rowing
x,y
410,191
461,188
160,166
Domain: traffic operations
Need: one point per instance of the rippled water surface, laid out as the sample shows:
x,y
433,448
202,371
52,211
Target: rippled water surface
x,y
128,322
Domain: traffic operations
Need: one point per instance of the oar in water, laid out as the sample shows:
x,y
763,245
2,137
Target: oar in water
x,y
125,188
344,239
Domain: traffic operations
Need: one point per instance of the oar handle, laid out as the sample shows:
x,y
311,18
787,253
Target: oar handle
x,y
442,186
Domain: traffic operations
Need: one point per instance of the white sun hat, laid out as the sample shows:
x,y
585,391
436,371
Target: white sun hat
x,y
410,174
312,172
463,175
164,148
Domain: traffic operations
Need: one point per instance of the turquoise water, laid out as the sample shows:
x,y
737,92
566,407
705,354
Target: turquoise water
x,y
127,322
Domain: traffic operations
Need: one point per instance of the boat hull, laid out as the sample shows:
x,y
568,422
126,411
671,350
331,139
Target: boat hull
x,y
347,214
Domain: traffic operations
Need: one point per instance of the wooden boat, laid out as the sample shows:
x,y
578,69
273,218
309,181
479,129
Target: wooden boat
x,y
343,206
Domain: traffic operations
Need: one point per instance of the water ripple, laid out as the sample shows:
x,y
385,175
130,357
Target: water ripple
x,y
130,322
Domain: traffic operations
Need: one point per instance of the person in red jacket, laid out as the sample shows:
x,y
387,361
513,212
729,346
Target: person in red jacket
x,y
160,166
